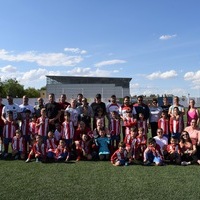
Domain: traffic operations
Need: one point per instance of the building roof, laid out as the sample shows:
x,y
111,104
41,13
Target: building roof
x,y
124,82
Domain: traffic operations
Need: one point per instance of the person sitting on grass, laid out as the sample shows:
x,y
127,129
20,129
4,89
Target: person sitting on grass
x,y
173,152
84,148
120,156
103,143
51,146
61,152
152,153
188,149
38,150
18,147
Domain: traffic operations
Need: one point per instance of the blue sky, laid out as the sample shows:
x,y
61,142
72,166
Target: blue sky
x,y
156,43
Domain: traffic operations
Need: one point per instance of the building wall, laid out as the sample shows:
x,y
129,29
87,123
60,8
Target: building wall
x,y
88,90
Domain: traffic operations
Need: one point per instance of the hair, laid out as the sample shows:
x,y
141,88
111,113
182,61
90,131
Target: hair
x,y
151,141
18,131
67,114
122,144
154,99
134,129
141,129
140,96
183,140
10,112
113,96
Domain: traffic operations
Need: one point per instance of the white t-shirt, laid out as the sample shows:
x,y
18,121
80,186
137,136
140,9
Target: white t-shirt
x,y
161,141
14,108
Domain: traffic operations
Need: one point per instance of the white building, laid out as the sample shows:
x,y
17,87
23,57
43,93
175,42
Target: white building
x,y
88,86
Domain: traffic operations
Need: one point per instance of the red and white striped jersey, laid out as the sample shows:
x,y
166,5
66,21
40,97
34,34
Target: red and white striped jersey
x,y
173,147
67,130
51,144
115,126
33,128
130,141
43,128
143,124
176,125
39,149
18,144
9,130
25,127
164,124
117,156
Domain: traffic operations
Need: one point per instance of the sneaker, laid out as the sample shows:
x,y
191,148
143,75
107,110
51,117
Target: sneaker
x,y
36,160
28,160
16,157
184,163
5,155
78,158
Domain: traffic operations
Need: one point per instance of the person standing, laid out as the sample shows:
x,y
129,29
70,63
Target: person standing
x,y
53,112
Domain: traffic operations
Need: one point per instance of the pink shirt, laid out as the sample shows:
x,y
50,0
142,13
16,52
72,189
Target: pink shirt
x,y
194,134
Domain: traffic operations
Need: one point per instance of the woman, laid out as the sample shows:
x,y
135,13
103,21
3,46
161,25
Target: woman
x,y
188,149
155,113
192,112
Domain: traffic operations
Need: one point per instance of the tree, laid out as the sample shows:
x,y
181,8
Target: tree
x,y
32,92
12,87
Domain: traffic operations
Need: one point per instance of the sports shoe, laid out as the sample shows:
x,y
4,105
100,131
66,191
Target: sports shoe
x,y
36,160
184,163
28,160
78,158
5,155
16,157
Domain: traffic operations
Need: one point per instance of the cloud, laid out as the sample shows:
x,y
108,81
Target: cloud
x,y
160,75
75,50
42,59
167,37
134,85
8,68
194,77
109,62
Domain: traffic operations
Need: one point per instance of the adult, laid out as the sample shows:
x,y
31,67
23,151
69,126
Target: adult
x,y
63,105
155,113
84,105
192,112
141,107
39,106
96,106
25,106
161,140
124,108
52,111
165,106
79,99
1,125
112,106
11,106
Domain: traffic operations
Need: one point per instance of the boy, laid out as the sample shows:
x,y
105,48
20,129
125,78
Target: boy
x,y
152,153
120,157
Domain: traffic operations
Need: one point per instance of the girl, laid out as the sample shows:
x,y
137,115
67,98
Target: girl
x,y
129,121
163,123
99,116
142,123
51,145
192,113
61,152
103,143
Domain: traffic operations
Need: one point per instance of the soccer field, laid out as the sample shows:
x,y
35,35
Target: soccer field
x,y
97,180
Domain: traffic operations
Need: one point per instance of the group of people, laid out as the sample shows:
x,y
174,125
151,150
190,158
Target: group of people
x,y
122,133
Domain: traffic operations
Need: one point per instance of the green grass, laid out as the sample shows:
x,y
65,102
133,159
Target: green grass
x,y
97,180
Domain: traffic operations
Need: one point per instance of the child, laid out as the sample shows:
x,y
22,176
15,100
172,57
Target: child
x,y
51,145
173,151
176,126
142,123
129,121
58,133
18,147
61,152
120,157
115,129
99,116
103,143
85,117
163,123
68,130
43,124
32,126
141,144
26,129
8,131
84,148
130,142
38,150
152,153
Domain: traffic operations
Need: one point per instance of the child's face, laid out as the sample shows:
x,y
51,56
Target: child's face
x,y
164,115
43,113
62,143
121,149
38,139
152,144
102,133
129,114
67,118
50,134
18,135
176,110
159,133
140,132
141,116
34,119
84,137
133,134
100,113
99,123
10,116
173,141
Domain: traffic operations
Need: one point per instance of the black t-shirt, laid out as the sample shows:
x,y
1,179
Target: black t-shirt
x,y
96,106
52,109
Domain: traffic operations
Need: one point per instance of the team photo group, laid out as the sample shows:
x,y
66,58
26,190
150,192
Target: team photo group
x,y
124,134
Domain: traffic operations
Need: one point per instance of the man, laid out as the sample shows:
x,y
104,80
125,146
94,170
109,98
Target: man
x,y
63,105
39,106
53,112
25,106
140,107
11,106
